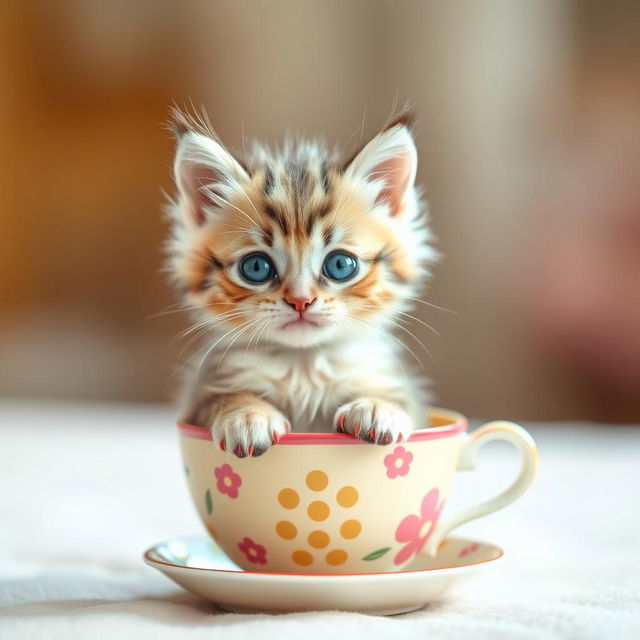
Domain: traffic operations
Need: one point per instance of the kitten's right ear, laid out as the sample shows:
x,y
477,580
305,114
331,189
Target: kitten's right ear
x,y
206,174
389,161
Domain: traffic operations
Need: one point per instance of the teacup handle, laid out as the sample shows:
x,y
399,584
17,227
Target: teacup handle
x,y
498,430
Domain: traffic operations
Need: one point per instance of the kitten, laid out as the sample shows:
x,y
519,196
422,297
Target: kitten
x,y
298,264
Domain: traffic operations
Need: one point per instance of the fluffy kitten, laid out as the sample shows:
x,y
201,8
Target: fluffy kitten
x,y
298,263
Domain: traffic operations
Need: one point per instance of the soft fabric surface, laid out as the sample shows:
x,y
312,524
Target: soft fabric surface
x,y
86,488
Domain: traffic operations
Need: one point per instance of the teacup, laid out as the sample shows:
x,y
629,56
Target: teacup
x,y
331,503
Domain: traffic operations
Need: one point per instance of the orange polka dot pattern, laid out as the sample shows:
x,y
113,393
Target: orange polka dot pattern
x,y
301,557
318,511
350,529
289,498
318,539
336,557
317,480
347,497
286,530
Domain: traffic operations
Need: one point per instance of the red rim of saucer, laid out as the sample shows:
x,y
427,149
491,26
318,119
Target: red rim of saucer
x,y
457,424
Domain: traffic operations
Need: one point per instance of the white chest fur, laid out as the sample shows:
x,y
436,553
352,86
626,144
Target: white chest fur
x,y
308,385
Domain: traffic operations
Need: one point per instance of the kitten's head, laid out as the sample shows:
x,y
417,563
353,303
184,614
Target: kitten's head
x,y
295,246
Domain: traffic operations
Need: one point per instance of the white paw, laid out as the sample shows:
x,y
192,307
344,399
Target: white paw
x,y
374,420
248,431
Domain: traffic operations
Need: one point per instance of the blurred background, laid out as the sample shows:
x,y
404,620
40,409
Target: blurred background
x,y
529,140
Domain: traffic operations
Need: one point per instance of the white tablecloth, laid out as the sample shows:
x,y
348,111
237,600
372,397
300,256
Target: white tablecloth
x,y
84,489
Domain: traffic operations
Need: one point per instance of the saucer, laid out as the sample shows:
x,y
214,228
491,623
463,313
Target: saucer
x,y
200,566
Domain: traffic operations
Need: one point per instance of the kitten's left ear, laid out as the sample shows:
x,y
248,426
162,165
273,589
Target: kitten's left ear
x,y
390,162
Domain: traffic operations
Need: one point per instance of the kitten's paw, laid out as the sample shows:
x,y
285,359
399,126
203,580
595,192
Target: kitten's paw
x,y
373,420
249,431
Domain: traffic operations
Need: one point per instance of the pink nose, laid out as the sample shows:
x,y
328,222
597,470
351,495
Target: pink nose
x,y
299,304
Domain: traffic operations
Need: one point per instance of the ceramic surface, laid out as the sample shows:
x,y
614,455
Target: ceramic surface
x,y
199,565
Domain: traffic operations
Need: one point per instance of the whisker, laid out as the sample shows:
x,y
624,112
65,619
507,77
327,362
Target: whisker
x,y
408,315
265,326
393,355
415,338
169,310
430,304
215,344
253,334
246,348
266,338
203,332
402,344
254,321
195,337
422,322
220,317
194,327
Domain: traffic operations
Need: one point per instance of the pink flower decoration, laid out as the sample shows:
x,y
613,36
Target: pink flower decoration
x,y
228,482
413,529
470,549
398,462
255,553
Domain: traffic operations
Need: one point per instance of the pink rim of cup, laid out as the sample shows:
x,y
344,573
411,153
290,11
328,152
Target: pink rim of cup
x,y
456,427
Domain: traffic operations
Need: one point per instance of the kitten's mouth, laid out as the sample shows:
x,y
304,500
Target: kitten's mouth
x,y
301,321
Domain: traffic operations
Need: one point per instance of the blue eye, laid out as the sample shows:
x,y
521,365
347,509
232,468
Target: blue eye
x,y
257,268
339,266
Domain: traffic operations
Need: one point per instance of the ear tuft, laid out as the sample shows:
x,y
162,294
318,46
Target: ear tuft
x,y
404,118
178,123
183,121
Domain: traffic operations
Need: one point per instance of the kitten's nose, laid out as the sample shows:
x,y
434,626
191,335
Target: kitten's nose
x,y
299,303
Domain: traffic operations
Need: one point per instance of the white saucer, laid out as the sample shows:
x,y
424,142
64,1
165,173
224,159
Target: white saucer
x,y
199,565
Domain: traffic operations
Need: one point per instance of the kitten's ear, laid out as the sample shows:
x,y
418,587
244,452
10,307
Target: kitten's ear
x,y
206,174
389,161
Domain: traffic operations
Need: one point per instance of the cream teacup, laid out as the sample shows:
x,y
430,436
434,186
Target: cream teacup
x,y
331,503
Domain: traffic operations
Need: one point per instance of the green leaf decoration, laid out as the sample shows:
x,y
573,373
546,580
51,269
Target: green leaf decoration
x,y
208,502
374,555
186,470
